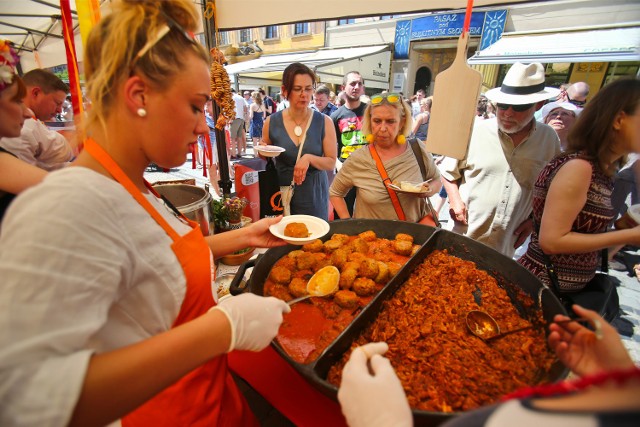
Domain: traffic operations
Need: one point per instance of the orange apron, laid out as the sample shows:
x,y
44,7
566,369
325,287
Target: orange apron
x,y
208,395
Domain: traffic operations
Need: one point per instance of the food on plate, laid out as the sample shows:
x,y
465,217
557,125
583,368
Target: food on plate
x,y
297,230
441,365
365,263
413,188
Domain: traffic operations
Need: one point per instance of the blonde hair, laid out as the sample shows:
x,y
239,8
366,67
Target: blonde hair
x,y
401,105
113,46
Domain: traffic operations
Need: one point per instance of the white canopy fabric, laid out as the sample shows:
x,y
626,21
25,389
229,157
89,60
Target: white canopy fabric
x,y
610,45
233,14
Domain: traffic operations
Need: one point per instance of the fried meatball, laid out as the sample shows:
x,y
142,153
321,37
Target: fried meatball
x,y
347,278
341,238
287,262
306,261
350,265
303,274
364,286
403,236
368,268
339,257
359,245
331,245
315,246
280,292
322,263
346,299
402,247
415,249
356,257
394,267
298,287
295,254
383,273
296,230
280,275
368,236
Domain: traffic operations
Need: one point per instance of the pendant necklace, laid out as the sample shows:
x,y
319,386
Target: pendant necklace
x,y
297,130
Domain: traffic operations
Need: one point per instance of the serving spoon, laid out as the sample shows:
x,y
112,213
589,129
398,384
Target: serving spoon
x,y
324,282
484,326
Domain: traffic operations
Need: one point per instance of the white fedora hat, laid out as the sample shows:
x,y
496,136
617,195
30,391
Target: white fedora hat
x,y
548,108
523,84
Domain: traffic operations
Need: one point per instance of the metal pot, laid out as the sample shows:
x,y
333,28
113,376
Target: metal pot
x,y
192,201
509,274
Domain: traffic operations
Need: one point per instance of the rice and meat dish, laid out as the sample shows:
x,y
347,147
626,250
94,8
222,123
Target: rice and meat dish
x,y
441,365
366,263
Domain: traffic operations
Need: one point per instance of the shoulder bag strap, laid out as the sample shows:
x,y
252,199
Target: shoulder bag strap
x,y
413,142
386,181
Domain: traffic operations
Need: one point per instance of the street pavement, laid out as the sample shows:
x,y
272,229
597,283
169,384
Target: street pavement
x,y
620,268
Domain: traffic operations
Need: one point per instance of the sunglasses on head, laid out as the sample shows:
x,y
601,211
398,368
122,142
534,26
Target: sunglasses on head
x,y
391,98
517,108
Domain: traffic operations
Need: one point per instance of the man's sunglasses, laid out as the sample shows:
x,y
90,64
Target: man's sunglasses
x,y
517,108
392,98
576,103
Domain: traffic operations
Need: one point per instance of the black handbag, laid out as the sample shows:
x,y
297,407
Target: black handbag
x,y
270,200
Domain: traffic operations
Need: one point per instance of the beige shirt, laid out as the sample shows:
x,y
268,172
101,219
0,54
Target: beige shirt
x,y
372,198
496,181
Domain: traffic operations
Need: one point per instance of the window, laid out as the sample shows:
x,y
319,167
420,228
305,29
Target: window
x,y
346,21
301,28
245,35
224,38
271,32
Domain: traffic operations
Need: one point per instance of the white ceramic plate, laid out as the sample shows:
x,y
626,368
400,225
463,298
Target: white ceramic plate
x,y
317,228
268,150
411,193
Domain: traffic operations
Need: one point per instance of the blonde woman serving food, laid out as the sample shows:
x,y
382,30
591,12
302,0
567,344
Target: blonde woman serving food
x,y
387,122
106,291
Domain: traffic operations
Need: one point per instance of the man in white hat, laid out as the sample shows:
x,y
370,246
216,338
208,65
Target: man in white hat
x,y
490,191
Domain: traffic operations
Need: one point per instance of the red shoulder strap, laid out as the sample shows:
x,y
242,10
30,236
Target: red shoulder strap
x,y
386,181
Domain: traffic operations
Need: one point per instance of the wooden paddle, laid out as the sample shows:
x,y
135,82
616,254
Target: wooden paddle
x,y
455,97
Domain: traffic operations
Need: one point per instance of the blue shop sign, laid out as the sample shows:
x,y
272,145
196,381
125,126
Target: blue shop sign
x,y
446,25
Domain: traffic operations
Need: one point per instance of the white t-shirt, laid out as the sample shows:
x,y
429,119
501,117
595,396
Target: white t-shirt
x,y
39,146
84,269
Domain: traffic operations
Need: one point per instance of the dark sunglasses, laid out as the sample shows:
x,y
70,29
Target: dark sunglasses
x,y
164,30
517,108
392,98
576,103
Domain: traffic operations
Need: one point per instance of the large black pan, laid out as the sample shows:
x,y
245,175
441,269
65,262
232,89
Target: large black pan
x,y
509,274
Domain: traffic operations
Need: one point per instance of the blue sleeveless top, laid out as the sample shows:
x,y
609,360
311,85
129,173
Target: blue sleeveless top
x,y
312,196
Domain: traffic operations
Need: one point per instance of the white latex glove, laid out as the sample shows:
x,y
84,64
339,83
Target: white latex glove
x,y
372,400
254,320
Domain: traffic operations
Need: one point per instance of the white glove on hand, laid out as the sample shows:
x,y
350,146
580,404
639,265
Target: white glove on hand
x,y
372,400
254,320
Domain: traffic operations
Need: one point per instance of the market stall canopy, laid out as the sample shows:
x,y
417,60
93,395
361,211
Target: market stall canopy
x,y
372,62
234,14
601,45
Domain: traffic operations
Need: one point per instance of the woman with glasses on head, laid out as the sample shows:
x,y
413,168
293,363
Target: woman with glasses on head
x,y
572,195
106,291
309,140
16,175
386,123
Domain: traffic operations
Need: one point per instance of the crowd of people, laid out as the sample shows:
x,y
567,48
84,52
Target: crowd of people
x,y
543,163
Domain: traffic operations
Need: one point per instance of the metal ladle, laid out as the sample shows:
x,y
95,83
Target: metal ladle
x,y
324,282
484,326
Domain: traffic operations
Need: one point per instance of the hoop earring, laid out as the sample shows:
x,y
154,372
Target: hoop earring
x,y
369,138
401,139
142,112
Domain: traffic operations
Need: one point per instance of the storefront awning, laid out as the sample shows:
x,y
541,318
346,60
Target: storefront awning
x,y
373,63
610,45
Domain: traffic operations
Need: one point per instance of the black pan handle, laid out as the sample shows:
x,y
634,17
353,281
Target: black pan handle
x,y
235,287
